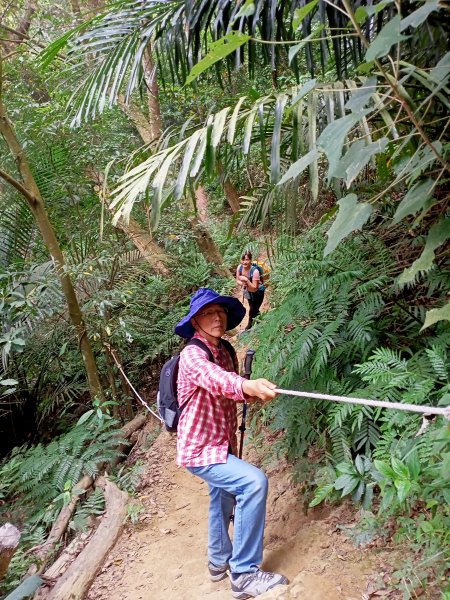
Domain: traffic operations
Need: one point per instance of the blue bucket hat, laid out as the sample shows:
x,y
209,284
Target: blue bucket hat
x,y
204,296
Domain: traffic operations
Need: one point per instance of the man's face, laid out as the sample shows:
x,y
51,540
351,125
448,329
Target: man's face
x,y
212,319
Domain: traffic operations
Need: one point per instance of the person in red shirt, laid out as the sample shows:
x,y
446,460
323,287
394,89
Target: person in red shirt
x,y
208,393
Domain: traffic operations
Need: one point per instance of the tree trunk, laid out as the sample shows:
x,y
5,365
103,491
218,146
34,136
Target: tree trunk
x,y
154,107
79,576
138,119
31,193
44,552
75,8
202,203
9,540
232,195
208,247
150,250
21,33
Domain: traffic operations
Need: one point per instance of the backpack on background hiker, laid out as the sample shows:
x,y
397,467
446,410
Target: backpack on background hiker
x,y
167,397
263,268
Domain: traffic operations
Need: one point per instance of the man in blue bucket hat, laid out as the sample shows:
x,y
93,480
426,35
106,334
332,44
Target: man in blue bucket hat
x,y
209,392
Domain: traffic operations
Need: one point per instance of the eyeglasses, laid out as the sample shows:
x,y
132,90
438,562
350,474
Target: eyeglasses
x,y
221,312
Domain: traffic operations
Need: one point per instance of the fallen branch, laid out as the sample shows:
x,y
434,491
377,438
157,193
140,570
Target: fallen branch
x,y
9,540
79,576
44,552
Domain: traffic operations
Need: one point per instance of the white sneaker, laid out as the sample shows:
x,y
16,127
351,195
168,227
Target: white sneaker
x,y
249,585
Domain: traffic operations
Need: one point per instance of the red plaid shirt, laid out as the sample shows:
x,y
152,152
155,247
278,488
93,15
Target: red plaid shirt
x,y
209,391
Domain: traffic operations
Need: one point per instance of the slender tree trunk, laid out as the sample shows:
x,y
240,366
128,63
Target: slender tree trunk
x,y
30,191
208,247
232,195
75,8
141,239
21,33
154,107
202,203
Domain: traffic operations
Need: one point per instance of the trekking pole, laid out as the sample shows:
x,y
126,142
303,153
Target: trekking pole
x,y
247,373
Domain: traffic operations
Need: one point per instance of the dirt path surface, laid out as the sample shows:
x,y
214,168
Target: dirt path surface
x,y
164,556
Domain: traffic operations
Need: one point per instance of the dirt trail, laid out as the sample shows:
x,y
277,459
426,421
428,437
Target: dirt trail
x,y
164,557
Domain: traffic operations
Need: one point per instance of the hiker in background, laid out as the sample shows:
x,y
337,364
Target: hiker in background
x,y
209,392
248,276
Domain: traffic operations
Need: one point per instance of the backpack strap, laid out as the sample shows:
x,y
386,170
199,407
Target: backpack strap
x,y
230,349
203,346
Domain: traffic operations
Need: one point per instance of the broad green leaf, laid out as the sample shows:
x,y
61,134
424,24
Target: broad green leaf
x,y
312,129
85,416
294,50
441,71
414,200
332,139
247,10
219,49
345,467
343,481
248,130
321,494
352,216
359,464
26,589
187,159
218,126
444,401
301,13
8,382
400,468
357,494
305,89
403,488
437,314
350,485
418,16
233,120
361,96
362,12
357,157
438,234
413,464
276,139
299,166
389,35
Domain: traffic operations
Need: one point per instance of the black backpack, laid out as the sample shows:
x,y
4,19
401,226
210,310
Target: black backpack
x,y
167,397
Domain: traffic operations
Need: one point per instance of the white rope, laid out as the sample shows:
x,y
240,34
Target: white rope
x,y
135,392
429,410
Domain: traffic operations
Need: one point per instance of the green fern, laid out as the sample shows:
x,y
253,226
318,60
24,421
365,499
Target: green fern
x,y
41,473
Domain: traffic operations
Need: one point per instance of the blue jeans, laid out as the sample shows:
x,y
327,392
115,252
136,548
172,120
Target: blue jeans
x,y
237,481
